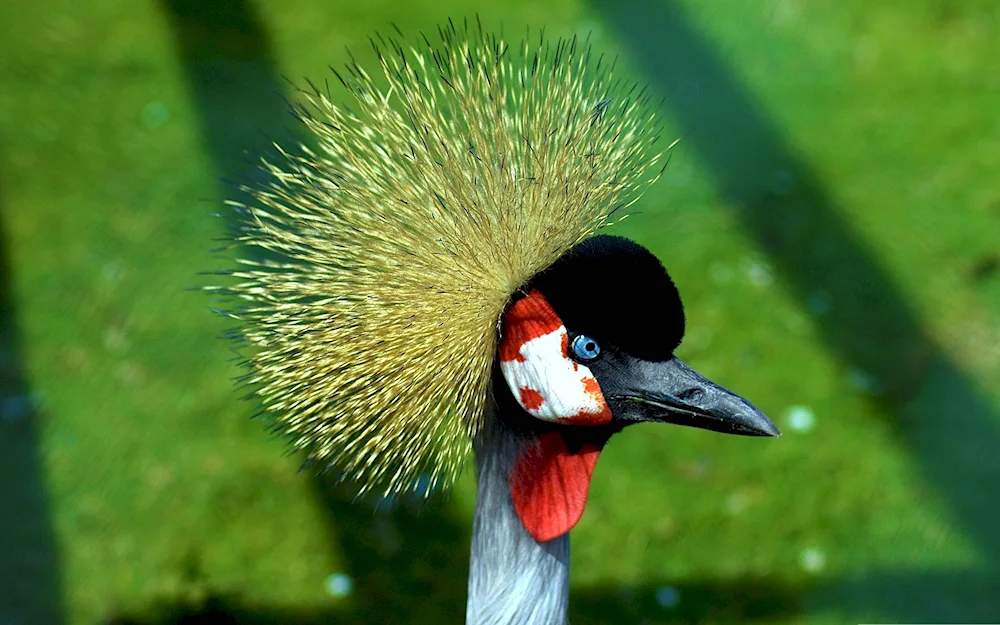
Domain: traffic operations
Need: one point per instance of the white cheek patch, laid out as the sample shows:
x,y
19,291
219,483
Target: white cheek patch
x,y
535,361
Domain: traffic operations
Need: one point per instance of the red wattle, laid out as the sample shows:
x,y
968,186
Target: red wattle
x,y
549,485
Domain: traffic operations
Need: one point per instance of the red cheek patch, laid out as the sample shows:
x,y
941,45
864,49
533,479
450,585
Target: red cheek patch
x,y
535,361
549,485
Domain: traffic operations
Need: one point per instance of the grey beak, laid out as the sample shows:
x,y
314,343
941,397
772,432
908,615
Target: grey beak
x,y
672,392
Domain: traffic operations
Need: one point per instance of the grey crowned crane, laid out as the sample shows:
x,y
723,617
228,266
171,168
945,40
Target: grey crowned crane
x,y
433,283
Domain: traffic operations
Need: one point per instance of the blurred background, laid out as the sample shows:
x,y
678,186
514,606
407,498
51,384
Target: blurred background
x,y
831,215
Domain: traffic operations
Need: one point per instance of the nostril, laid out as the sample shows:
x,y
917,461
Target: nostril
x,y
691,394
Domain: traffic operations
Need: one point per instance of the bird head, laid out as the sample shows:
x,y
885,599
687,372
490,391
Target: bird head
x,y
440,233
587,349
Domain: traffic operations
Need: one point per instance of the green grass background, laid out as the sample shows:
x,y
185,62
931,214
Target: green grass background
x,y
831,216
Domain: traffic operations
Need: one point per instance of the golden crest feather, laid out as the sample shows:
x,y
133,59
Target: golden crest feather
x,y
405,227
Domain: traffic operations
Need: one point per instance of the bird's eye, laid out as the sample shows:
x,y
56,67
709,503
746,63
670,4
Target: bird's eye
x,y
585,348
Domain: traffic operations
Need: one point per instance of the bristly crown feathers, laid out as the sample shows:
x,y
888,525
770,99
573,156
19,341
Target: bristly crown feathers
x,y
406,228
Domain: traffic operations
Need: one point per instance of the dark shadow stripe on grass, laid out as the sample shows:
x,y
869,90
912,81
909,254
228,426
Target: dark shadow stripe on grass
x,y
948,423
226,54
409,564
681,602
698,601
30,589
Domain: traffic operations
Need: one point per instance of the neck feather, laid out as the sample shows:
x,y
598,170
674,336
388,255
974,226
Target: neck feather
x,y
512,578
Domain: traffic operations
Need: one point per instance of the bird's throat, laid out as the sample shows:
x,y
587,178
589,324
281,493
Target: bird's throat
x,y
532,483
513,578
549,483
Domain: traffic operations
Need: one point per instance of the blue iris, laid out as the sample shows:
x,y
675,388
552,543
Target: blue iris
x,y
585,348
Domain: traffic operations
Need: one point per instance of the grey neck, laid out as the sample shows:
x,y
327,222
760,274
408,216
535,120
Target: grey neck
x,y
512,578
